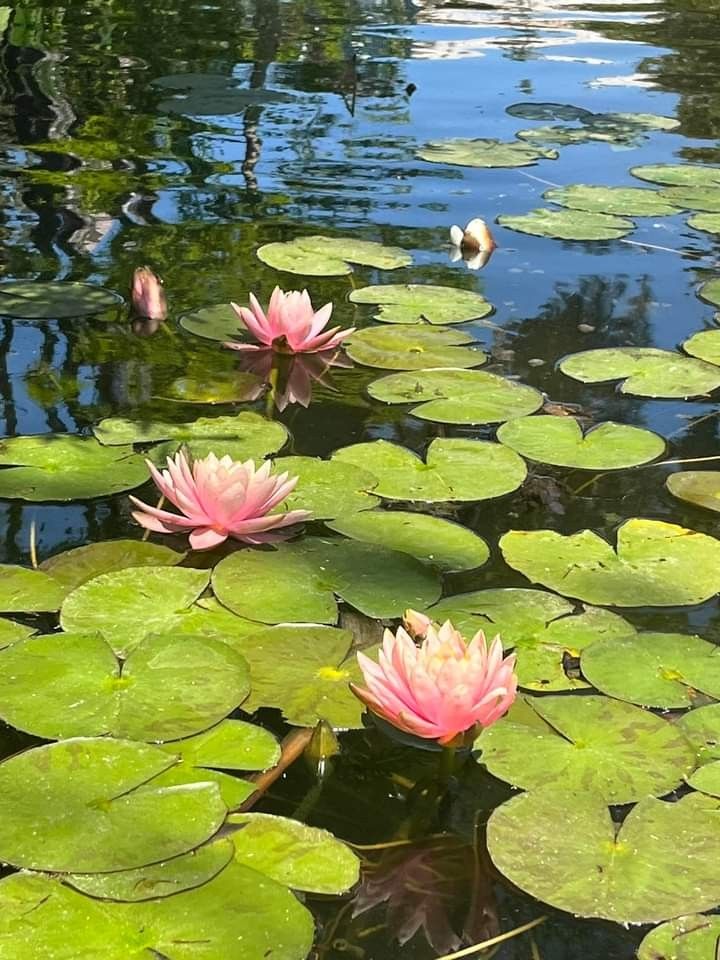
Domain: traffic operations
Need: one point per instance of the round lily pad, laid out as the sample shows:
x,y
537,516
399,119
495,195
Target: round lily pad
x,y
230,745
702,728
455,470
679,174
320,256
709,222
448,395
568,224
590,743
28,591
235,386
212,94
86,805
562,846
710,291
703,199
446,545
423,304
64,467
484,153
645,371
11,632
687,938
413,348
560,135
704,345
548,111
32,300
617,201
654,669
74,567
699,487
560,441
656,564
217,322
328,488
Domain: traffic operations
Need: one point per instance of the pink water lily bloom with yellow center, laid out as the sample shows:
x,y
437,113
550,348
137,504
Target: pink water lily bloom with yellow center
x,y
291,324
220,498
441,689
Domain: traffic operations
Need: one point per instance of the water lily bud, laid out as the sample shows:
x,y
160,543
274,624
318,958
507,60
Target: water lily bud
x,y
148,295
416,623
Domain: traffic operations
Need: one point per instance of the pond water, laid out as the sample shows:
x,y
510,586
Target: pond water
x,y
186,135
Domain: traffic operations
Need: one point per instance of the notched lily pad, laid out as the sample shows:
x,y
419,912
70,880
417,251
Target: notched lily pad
x,y
484,153
413,348
645,371
320,256
217,322
568,224
77,566
423,303
28,591
328,488
616,201
33,300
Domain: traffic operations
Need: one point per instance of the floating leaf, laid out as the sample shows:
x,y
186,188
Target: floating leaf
x,y
709,222
456,470
328,488
11,632
588,743
707,779
212,94
449,395
561,846
656,564
562,136
74,567
710,291
679,174
424,303
560,441
64,467
28,591
704,199
232,387
645,371
32,300
413,348
446,545
209,618
617,201
699,487
568,224
218,322
130,604
484,153
687,938
297,582
330,256
548,111
702,728
705,345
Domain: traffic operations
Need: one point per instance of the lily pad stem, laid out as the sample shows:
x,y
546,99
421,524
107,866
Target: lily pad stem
x,y
486,944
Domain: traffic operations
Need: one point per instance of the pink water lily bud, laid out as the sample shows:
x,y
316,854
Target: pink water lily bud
x,y
291,324
148,295
415,623
220,498
441,689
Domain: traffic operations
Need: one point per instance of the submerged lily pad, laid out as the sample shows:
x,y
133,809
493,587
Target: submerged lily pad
x,y
619,201
645,371
28,591
423,303
568,224
446,545
561,846
687,938
449,395
710,291
77,566
589,743
33,300
320,256
212,94
64,467
484,153
328,488
560,441
703,199
679,174
235,386
699,487
413,348
456,469
656,564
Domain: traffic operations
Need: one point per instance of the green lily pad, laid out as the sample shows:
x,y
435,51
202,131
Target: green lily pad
x,y
568,224
710,291
449,395
319,256
560,441
699,487
217,322
72,685
542,628
297,582
644,121
654,669
328,488
28,591
656,564
300,857
75,567
707,779
32,300
548,111
709,222
413,348
64,467
128,605
212,94
446,545
702,728
423,303
85,805
704,345
703,199
562,136
484,153
588,743
561,846
209,618
456,470
687,938
645,371
235,386
617,201
11,632
679,174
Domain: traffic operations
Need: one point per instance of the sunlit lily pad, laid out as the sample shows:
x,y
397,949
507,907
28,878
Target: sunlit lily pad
x,y
423,303
217,322
710,291
687,938
561,846
645,371
654,669
558,135
297,582
656,564
709,222
484,153
33,300
449,395
88,805
209,618
707,779
11,632
588,743
446,545
702,728
328,488
704,345
568,224
65,467
679,174
73,567
455,469
618,201
413,348
702,199
560,441
319,256
28,591
699,487
130,604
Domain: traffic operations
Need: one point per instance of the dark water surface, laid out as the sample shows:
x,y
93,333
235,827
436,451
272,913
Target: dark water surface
x,y
337,96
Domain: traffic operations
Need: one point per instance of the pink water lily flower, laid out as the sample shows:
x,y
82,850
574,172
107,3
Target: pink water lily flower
x,y
219,498
291,325
441,689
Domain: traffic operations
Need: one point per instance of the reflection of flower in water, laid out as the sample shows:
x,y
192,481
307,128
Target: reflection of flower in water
x,y
475,244
291,376
439,886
